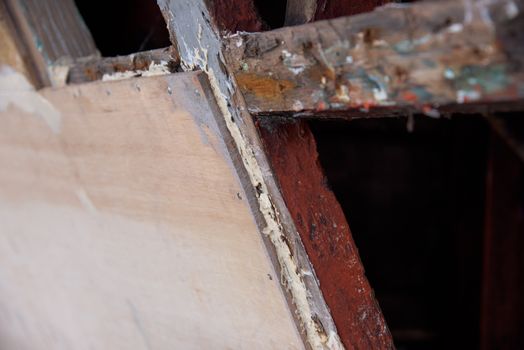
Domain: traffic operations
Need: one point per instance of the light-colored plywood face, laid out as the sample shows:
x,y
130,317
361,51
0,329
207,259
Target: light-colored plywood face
x,y
123,224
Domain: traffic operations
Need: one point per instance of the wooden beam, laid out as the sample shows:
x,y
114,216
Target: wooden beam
x,y
54,34
141,63
198,39
415,57
325,233
12,51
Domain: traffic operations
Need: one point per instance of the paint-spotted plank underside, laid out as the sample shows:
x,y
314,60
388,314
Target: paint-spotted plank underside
x,y
423,56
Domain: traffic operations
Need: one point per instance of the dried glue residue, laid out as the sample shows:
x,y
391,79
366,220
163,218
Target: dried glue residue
x,y
17,91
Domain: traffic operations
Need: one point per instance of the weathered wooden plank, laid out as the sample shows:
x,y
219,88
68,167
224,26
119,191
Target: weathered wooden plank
x,y
326,235
198,41
159,61
123,224
54,34
417,56
11,52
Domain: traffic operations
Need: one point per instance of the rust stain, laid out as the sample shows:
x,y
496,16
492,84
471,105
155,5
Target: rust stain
x,y
263,86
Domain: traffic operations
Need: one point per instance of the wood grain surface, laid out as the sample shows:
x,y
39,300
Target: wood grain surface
x,y
123,224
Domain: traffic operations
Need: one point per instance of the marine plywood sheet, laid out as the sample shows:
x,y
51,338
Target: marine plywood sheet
x,y
123,224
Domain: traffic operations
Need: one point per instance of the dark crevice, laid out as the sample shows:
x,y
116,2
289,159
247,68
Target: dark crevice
x,y
415,205
122,27
272,12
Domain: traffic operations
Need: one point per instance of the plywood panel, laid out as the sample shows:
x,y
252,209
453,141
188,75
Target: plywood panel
x,y
123,226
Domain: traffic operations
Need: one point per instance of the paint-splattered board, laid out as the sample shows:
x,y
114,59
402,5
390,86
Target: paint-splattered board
x,y
123,224
398,58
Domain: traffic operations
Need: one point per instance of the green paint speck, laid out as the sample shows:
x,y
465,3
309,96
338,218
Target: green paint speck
x,y
490,78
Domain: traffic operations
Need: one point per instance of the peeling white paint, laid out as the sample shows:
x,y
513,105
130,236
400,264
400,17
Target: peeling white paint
x,y
15,90
296,70
456,28
296,64
239,42
154,69
297,105
223,89
511,9
343,94
58,74
380,94
291,279
467,96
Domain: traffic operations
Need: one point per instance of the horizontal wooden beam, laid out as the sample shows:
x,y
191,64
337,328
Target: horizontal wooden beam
x,y
418,57
150,62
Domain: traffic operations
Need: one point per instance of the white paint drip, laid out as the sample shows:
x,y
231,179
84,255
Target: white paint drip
x,y
17,91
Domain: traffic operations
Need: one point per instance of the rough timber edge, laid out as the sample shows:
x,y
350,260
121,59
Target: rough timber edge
x,y
199,46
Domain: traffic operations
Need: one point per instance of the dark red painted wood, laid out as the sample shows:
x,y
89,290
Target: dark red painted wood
x,y
322,226
236,15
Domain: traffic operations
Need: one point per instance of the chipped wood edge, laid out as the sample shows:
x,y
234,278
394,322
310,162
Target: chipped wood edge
x,y
199,47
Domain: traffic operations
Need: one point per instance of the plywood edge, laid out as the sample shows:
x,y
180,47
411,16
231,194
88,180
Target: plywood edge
x,y
199,46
